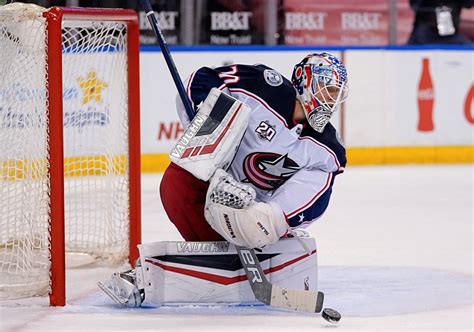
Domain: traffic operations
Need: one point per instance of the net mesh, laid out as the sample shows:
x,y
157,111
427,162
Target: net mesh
x,y
95,138
95,99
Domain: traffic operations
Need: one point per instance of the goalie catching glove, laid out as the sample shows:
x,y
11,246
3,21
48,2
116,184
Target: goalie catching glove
x,y
232,212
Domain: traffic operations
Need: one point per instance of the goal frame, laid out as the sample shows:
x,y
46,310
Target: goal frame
x,y
54,17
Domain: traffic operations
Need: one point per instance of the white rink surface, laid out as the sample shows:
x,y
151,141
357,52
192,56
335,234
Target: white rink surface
x,y
395,252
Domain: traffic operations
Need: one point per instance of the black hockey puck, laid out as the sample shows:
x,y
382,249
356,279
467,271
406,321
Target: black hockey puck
x,y
331,315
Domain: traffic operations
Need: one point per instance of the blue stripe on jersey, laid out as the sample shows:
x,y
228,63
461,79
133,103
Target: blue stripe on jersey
x,y
314,211
329,138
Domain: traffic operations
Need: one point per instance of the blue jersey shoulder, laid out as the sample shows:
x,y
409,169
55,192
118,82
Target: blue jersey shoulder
x,y
260,80
269,85
330,138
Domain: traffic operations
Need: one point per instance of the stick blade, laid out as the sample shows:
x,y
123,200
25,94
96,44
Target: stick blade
x,y
297,300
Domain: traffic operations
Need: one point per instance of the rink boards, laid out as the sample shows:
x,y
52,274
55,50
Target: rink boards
x,y
383,121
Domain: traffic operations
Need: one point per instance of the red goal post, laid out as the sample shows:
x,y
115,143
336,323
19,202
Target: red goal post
x,y
84,183
54,17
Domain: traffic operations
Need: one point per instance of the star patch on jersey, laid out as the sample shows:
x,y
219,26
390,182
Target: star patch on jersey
x,y
272,77
267,170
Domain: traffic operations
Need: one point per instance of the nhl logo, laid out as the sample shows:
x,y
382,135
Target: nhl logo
x,y
272,77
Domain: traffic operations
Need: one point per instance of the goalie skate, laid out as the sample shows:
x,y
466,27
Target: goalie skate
x,y
123,290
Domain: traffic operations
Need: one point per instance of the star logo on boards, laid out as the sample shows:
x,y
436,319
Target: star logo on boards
x,y
301,216
91,87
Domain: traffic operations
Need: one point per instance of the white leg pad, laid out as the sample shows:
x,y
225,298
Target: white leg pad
x,y
177,273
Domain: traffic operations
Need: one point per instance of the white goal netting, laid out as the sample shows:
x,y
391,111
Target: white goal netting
x,y
95,125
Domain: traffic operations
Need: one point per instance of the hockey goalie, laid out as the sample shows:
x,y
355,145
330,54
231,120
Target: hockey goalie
x,y
255,166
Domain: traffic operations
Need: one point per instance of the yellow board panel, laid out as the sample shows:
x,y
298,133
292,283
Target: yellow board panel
x,y
364,156
410,155
157,163
20,169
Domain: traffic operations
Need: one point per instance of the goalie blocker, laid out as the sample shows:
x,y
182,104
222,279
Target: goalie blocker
x,y
213,136
174,273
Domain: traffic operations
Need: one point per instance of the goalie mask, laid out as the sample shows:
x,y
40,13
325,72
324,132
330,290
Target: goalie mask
x,y
320,80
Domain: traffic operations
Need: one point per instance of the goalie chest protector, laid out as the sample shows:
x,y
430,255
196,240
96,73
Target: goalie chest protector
x,y
274,147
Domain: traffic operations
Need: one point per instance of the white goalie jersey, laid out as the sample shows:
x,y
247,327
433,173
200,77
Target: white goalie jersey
x,y
287,163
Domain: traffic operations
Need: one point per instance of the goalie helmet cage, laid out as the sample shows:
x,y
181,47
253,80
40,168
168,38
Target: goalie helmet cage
x,y
72,195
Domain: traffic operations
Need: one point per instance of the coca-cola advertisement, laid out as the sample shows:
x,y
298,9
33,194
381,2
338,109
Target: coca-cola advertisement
x,y
226,22
468,103
425,98
168,16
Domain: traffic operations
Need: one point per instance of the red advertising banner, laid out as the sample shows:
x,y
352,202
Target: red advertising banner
x,y
404,21
343,22
466,25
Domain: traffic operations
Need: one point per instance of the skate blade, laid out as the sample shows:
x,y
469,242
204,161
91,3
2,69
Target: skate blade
x,y
107,290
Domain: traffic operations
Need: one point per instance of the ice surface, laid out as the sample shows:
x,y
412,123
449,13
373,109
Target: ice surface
x,y
395,251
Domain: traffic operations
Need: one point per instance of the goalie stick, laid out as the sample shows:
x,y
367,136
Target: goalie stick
x,y
264,291
150,14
